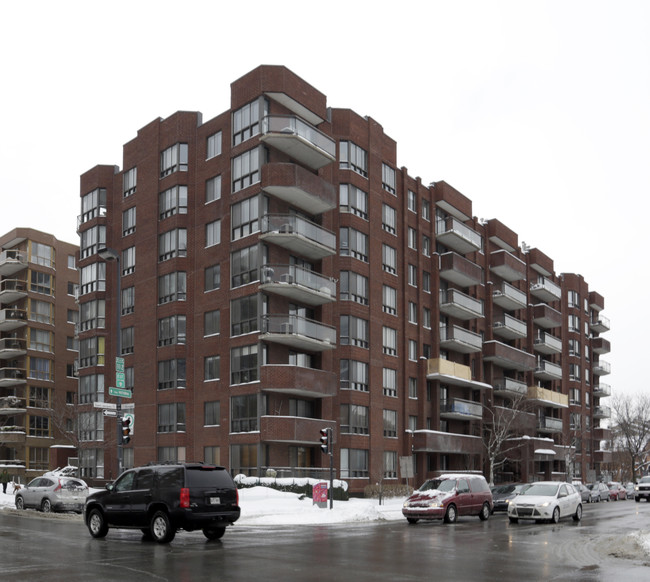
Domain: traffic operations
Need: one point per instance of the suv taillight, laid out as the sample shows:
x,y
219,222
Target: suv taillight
x,y
59,486
185,497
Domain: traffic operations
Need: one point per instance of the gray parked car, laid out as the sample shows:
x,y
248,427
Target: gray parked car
x,y
599,492
51,493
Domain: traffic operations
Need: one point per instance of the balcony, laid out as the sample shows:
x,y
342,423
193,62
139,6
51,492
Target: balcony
x,y
12,348
293,429
299,140
459,270
12,290
457,236
509,327
298,284
460,340
600,345
600,325
602,433
448,372
299,187
546,370
508,297
546,317
596,301
546,290
298,332
510,388
547,344
601,368
10,405
548,424
11,319
602,412
602,390
457,304
299,381
601,456
12,376
507,266
10,435
431,441
507,357
12,261
298,235
548,397
461,409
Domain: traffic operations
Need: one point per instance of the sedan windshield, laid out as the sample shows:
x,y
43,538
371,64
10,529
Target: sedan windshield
x,y
546,490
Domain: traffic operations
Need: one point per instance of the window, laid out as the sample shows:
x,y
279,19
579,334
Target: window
x,y
426,318
41,311
171,417
390,465
389,219
354,419
352,157
389,336
354,243
41,254
412,201
246,168
413,312
354,287
212,413
574,372
41,283
127,305
389,259
354,331
574,323
354,200
354,463
128,221
172,201
413,387
354,375
212,322
300,359
213,145
574,347
212,278
93,278
246,120
426,210
72,344
171,454
390,423
574,396
39,426
211,368
426,282
129,182
91,240
72,262
174,159
243,315
213,189
413,275
73,316
244,364
171,374
171,330
39,397
92,351
244,266
413,422
413,350
172,287
389,300
390,382
172,244
574,299
244,413
245,218
91,426
426,245
388,178
213,233
212,455
128,341
128,261
91,388
93,204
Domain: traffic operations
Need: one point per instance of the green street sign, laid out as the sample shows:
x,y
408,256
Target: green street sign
x,y
119,380
119,365
124,393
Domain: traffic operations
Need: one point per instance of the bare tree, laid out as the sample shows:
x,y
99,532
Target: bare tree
x,y
631,427
501,424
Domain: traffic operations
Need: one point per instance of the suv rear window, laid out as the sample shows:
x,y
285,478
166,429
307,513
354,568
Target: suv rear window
x,y
208,477
171,477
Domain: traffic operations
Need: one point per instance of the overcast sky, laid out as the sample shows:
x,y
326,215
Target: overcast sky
x,y
539,112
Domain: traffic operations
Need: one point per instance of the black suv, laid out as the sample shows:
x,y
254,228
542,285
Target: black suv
x,y
159,499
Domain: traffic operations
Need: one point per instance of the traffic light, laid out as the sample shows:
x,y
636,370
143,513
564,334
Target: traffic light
x,y
326,440
126,430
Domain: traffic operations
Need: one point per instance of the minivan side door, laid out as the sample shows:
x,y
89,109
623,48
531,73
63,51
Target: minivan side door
x,y
464,497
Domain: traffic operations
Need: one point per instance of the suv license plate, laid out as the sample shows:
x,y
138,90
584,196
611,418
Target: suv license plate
x,y
215,501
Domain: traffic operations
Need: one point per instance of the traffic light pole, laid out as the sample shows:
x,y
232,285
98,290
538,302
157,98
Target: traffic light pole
x,y
327,447
331,474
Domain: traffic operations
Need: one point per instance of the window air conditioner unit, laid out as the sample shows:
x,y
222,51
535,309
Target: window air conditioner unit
x,y
286,328
286,278
286,228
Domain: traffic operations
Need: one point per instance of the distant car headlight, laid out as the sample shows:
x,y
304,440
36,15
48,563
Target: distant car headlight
x,y
406,504
636,487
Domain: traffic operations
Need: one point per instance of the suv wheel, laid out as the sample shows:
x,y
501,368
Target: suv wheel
x,y
214,533
20,502
97,525
46,506
161,528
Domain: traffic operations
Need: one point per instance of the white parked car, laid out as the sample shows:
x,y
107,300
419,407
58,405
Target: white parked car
x,y
548,501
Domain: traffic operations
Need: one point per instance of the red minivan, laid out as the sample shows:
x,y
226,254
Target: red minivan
x,y
449,496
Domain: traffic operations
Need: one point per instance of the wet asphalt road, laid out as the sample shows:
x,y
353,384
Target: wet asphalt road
x,y
602,547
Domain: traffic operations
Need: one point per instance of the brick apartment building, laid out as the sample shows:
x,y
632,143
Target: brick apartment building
x,y
38,352
278,274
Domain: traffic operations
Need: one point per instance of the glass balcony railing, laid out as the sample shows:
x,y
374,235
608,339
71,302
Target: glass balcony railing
x,y
298,234
461,408
294,325
458,236
509,297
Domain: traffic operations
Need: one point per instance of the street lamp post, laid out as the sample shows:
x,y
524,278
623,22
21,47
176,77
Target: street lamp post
x,y
109,255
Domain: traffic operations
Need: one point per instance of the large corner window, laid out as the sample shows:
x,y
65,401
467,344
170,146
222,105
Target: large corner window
x,y
174,159
246,121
